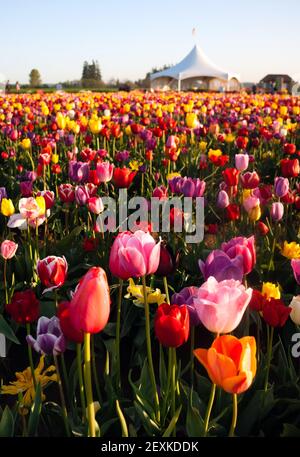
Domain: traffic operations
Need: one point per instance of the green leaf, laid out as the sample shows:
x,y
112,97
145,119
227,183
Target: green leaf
x,y
256,409
173,423
7,423
122,420
36,408
290,431
194,422
150,426
7,331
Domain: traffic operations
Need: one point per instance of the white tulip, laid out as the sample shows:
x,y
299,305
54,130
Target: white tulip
x,y
295,313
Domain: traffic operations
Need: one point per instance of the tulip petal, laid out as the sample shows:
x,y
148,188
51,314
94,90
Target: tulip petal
x,y
221,366
132,261
238,384
248,357
230,346
201,356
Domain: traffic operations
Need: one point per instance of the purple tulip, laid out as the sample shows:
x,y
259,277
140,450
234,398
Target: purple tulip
x,y
241,162
295,263
175,184
192,187
69,140
243,246
281,186
81,195
186,297
277,211
221,266
79,171
3,193
26,188
122,156
49,337
223,199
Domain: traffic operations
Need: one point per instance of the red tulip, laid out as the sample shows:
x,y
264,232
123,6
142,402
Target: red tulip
x,y
123,177
289,148
66,326
172,325
262,228
66,193
24,307
250,180
52,272
290,168
233,212
90,304
275,313
231,176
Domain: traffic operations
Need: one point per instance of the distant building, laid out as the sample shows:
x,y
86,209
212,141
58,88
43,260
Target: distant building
x,y
277,83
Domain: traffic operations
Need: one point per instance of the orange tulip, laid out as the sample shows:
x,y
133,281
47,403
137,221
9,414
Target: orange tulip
x,y
230,362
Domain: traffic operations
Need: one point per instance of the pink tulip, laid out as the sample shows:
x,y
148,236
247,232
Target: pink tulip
x,y
8,249
241,162
134,255
295,263
105,171
242,246
221,305
251,203
95,205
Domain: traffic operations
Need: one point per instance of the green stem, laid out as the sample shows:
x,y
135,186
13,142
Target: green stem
x,y
88,384
209,408
269,357
30,357
149,350
95,373
5,281
234,415
118,333
65,376
166,289
173,386
192,354
80,379
62,397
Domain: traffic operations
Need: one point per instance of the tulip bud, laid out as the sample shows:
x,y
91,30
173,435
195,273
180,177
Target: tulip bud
x,y
281,186
295,313
167,261
262,228
172,325
277,211
223,199
241,162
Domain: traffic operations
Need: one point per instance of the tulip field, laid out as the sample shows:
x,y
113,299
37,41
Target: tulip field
x,y
113,324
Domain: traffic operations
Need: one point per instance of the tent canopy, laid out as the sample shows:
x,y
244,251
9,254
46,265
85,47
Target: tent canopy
x,y
194,65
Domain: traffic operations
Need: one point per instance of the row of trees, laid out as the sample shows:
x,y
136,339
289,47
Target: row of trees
x,y
92,78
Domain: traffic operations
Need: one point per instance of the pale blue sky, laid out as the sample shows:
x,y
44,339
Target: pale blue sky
x,y
128,38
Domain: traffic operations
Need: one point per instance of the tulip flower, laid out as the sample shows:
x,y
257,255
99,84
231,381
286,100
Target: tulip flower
x,y
277,210
186,297
90,304
275,313
167,261
223,199
230,362
295,310
49,197
49,337
242,246
231,176
64,315
134,255
241,162
52,272
233,212
123,177
24,307
95,205
171,325
295,263
290,168
219,265
250,180
281,186
105,171
78,171
7,207
66,193
8,249
221,305
270,290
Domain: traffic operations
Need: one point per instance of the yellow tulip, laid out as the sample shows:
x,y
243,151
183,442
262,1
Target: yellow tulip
x,y
214,152
26,143
291,250
270,290
202,146
255,213
95,125
41,204
7,207
191,120
55,158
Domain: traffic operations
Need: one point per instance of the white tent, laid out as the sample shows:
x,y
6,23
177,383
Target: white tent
x,y
195,71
